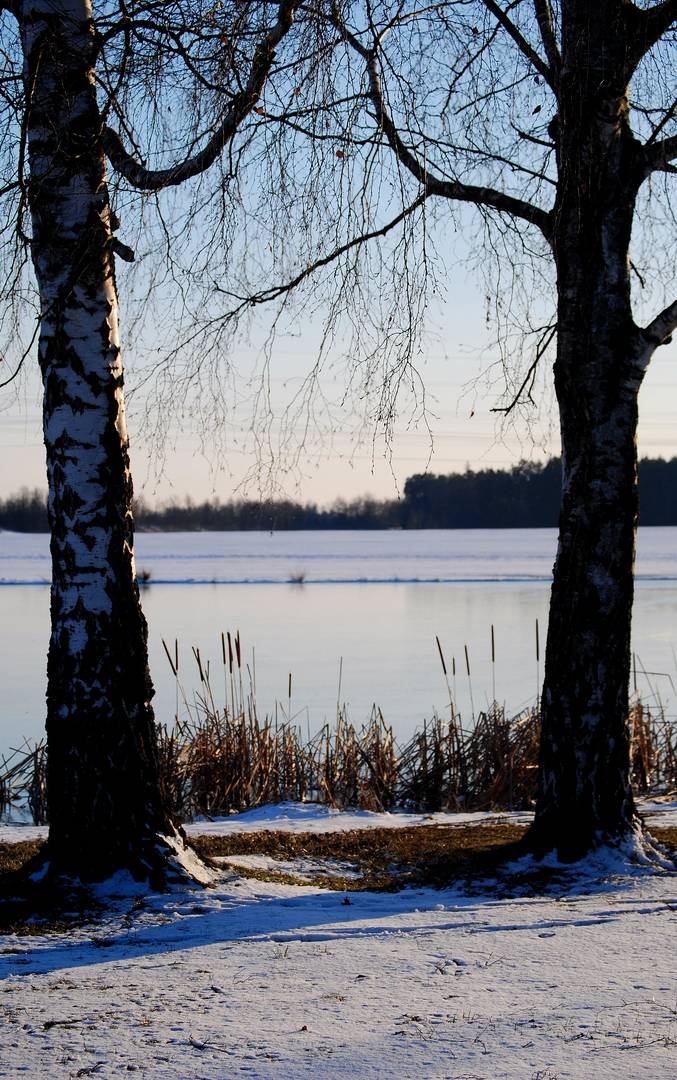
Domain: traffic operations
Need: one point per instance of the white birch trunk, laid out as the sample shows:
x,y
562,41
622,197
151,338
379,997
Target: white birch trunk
x,y
105,808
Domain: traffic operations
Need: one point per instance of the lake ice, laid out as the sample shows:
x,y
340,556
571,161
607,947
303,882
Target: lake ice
x,y
371,602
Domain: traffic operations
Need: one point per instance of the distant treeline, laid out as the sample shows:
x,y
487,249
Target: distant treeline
x,y
526,496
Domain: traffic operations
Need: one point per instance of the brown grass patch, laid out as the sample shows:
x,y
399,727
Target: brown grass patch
x,y
14,856
385,860
666,836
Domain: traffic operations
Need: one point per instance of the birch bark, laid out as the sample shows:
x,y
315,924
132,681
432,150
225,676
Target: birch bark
x,y
104,803
585,796
591,53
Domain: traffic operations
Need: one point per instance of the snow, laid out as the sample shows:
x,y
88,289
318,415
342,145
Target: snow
x,y
311,817
301,867
317,818
276,981
186,862
385,556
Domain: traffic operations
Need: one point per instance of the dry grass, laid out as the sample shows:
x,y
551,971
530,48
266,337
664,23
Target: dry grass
x,y
15,856
214,762
383,859
387,859
23,781
218,758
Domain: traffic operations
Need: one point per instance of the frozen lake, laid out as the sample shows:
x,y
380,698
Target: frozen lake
x,y
304,601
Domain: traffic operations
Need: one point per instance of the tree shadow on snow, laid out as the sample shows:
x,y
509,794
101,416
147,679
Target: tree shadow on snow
x,y
237,910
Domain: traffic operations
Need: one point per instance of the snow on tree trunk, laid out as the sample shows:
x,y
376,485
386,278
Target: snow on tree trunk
x,y
105,809
585,798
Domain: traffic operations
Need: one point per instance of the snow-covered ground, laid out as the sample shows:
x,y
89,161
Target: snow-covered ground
x,y
276,981
315,818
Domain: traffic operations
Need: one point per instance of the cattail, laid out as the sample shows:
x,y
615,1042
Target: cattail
x,y
493,665
439,649
172,663
196,654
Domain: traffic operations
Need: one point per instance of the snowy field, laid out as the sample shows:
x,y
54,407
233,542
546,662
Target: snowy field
x,y
321,557
276,981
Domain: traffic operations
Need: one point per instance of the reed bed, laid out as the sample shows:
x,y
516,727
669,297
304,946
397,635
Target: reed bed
x,y
23,783
216,763
219,758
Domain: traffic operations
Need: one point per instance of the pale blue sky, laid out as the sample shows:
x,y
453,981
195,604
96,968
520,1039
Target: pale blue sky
x,y
203,459
452,361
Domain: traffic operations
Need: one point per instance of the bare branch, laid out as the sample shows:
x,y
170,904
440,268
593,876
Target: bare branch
x,y
533,138
528,380
279,290
24,356
659,330
546,26
521,42
240,107
657,157
649,24
666,118
435,185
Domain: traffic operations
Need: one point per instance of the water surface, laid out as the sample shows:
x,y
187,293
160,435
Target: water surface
x,y
375,600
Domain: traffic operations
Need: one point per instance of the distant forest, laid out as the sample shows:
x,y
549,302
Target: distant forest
x,y
526,496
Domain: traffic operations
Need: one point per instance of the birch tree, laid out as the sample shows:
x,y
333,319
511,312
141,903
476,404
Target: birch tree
x,y
552,118
105,806
554,122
